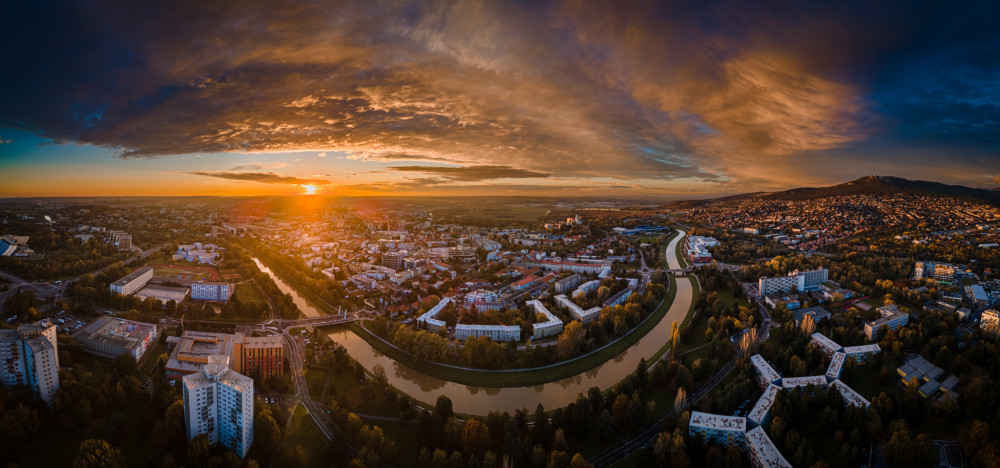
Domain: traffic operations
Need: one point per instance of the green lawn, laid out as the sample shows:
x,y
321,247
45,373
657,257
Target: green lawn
x,y
149,358
302,431
246,292
726,296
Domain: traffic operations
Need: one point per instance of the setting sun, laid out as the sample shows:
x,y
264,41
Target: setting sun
x,y
309,189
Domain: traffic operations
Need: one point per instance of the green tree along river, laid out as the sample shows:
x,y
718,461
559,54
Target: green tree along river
x,y
469,399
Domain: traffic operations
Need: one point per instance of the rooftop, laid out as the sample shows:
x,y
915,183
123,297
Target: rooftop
x,y
851,397
764,404
792,382
718,421
764,369
767,454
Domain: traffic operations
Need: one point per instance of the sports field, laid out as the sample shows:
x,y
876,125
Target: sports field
x,y
184,272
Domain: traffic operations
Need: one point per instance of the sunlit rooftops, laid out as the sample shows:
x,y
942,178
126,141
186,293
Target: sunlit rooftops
x,y
718,421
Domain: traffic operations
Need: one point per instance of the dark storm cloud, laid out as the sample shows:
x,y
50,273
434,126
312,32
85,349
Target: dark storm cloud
x,y
731,92
263,177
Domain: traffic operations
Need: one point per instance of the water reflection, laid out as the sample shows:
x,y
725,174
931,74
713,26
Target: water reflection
x,y
480,400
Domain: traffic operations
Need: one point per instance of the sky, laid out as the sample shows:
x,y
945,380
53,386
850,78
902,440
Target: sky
x,y
671,100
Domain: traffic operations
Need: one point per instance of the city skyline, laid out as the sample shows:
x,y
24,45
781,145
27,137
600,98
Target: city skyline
x,y
554,99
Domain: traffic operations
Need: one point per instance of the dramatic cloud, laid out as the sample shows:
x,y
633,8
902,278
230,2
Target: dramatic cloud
x,y
473,173
263,177
737,95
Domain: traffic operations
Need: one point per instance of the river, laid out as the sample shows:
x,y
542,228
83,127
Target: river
x,y
480,400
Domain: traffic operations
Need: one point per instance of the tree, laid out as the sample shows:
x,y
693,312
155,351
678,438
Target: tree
x,y
125,364
97,453
267,434
680,401
173,422
579,462
443,408
570,340
808,325
675,339
198,451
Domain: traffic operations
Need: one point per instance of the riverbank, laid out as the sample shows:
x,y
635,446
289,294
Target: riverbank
x,y
523,377
506,377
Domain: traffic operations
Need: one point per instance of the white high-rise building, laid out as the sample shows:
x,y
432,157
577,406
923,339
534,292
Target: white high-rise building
x,y
218,402
30,356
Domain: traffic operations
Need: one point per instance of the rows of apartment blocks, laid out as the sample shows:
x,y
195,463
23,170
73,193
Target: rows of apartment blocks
x,y
749,431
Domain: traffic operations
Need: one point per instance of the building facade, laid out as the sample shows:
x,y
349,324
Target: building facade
x,y
29,356
132,282
498,333
550,327
989,324
567,283
212,291
892,318
718,429
218,402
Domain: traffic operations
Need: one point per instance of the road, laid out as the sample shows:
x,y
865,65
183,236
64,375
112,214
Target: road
x,y
317,411
45,290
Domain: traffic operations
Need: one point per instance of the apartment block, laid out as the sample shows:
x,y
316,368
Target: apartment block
x,y
218,402
29,356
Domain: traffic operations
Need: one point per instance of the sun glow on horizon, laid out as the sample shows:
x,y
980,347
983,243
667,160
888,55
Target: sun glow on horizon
x,y
310,189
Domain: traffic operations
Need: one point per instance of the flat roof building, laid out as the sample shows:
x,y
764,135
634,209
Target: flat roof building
x,y
814,380
132,282
498,333
550,327
851,397
863,352
262,356
29,356
825,344
761,412
218,402
836,366
111,337
212,291
766,375
718,429
428,319
584,316
892,318
762,452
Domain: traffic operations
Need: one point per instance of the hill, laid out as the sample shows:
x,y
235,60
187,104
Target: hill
x,y
869,185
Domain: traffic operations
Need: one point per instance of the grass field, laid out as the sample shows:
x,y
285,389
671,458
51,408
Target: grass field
x,y
186,271
149,358
246,292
